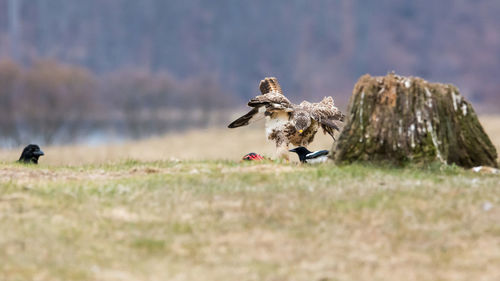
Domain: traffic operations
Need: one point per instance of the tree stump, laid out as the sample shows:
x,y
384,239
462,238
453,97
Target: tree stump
x,y
405,119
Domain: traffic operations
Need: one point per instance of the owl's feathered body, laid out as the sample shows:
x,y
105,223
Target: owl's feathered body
x,y
287,123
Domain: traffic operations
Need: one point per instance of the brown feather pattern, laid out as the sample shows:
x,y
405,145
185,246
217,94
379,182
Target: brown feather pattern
x,y
287,123
270,84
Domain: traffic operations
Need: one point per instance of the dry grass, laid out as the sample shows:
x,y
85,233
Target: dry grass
x,y
129,213
195,145
251,221
491,124
213,144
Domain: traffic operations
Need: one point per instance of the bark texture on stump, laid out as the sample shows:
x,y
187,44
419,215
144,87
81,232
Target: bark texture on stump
x,y
405,119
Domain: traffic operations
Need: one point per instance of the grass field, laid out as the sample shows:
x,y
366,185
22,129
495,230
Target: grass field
x,y
212,144
172,209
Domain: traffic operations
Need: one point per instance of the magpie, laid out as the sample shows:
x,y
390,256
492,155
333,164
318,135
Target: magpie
x,y
30,154
306,156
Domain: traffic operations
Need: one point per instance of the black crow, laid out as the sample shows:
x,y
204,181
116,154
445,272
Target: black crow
x,y
306,156
30,154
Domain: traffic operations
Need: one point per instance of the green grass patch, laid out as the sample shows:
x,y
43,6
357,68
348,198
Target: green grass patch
x,y
222,220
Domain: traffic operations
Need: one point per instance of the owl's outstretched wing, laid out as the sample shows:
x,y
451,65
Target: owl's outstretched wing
x,y
270,101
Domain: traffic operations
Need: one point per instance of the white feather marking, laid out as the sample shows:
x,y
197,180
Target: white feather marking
x,y
315,154
317,160
277,122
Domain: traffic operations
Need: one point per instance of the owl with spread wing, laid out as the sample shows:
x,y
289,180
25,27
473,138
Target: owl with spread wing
x,y
288,123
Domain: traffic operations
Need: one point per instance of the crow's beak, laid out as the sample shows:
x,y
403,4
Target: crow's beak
x,y
300,131
39,153
292,150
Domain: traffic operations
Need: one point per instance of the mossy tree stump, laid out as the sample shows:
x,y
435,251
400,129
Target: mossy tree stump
x,y
400,120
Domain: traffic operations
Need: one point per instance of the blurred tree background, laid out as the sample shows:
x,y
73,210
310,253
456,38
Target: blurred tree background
x,y
73,69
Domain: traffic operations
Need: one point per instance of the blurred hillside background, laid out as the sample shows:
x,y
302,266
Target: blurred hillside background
x,y
99,70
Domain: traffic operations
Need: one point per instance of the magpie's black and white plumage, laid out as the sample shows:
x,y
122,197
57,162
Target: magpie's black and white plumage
x,y
306,156
30,154
288,123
